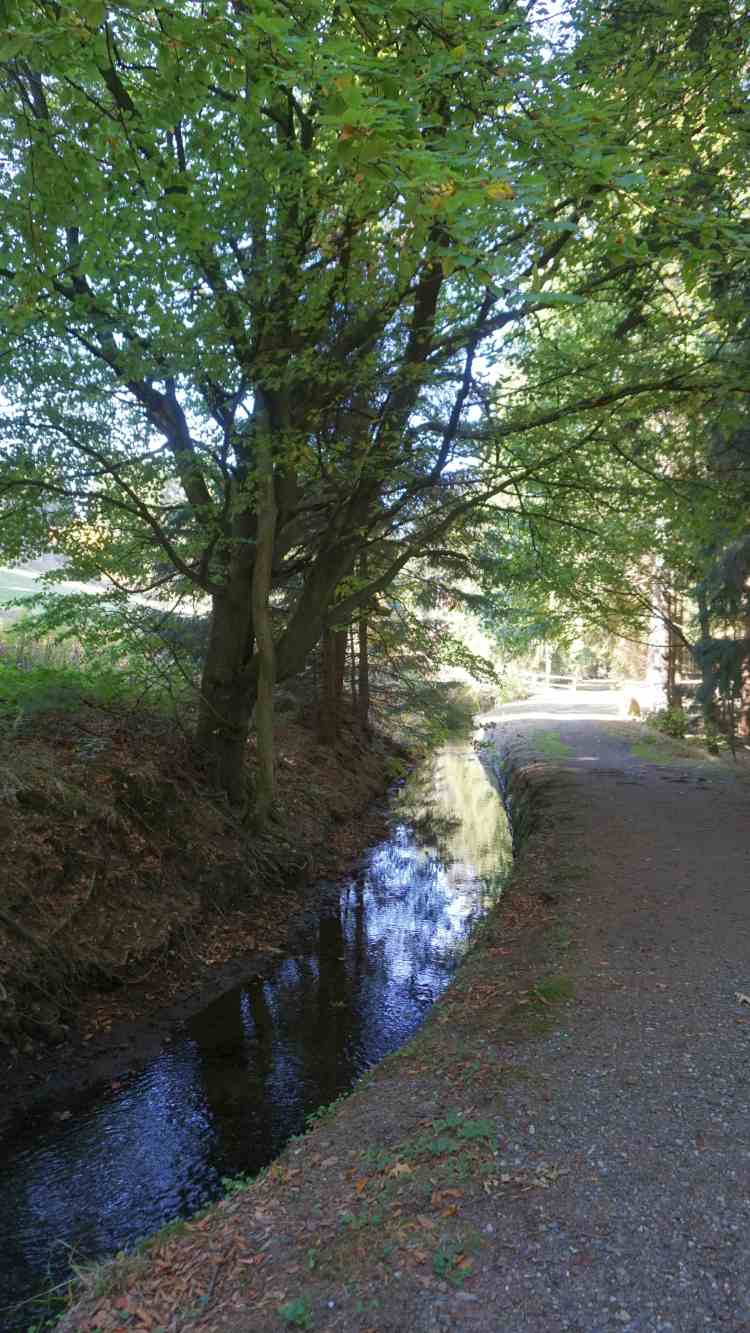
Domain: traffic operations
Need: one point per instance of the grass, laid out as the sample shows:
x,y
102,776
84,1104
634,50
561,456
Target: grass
x,y
549,745
537,1013
29,688
657,749
297,1313
43,673
553,990
46,673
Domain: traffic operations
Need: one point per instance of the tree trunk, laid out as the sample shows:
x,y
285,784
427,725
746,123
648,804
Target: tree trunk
x,y
363,703
265,508
353,671
328,719
226,704
339,649
708,686
671,653
743,719
231,674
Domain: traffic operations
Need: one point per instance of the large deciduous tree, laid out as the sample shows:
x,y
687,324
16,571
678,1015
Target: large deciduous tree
x,y
254,261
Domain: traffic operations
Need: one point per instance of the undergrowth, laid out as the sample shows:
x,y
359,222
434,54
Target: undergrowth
x,y
29,689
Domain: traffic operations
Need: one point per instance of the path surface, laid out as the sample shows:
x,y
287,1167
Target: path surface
x,y
591,1178
650,1109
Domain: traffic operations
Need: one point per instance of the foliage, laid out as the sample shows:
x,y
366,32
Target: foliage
x,y
115,657
367,283
551,746
29,689
670,721
424,713
297,1313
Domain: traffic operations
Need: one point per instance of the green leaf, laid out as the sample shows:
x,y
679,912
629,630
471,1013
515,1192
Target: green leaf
x,y
554,298
93,12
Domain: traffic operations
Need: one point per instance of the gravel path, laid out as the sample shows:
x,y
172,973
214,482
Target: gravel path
x,y
649,1074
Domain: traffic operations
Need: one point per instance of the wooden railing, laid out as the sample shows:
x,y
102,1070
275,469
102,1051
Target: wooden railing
x,y
571,682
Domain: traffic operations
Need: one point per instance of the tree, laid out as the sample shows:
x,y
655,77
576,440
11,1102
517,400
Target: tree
x,y
254,261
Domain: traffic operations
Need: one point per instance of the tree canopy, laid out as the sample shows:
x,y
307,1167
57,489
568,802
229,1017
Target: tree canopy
x,y
295,292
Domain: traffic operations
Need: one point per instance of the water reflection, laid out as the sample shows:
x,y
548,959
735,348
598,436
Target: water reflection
x,y
241,1076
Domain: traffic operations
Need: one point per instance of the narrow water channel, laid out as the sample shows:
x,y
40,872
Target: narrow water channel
x,y
88,1178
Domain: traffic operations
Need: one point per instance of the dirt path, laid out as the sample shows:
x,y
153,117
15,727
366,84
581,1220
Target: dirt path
x,y
650,1073
566,1144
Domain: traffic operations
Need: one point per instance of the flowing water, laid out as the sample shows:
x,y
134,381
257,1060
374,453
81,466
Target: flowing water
x,y
88,1178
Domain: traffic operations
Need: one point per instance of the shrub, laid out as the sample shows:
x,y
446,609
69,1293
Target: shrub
x,y
671,721
27,688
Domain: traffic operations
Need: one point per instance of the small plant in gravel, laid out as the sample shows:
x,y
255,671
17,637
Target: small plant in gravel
x,y
553,990
368,1217
235,1184
297,1313
323,1112
451,1264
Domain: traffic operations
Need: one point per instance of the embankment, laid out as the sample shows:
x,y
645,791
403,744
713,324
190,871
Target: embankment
x,y
128,890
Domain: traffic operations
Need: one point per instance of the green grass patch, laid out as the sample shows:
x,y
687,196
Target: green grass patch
x,y
663,750
297,1313
28,688
538,1013
553,990
548,744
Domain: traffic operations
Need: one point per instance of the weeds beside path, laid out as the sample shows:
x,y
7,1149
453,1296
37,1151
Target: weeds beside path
x,y
566,1144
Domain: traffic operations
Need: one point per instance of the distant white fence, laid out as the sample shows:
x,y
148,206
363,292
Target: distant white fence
x,y
570,682
648,694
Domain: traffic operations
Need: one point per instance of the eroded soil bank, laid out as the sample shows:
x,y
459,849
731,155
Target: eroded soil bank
x,y
564,1146
128,900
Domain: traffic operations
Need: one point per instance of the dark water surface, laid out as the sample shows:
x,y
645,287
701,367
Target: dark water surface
x,y
90,1177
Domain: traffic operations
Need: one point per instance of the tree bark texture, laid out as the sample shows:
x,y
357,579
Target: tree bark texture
x,y
339,649
363,674
353,670
328,719
226,703
265,508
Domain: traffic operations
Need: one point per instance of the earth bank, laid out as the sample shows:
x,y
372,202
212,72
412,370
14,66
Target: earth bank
x,y
129,897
